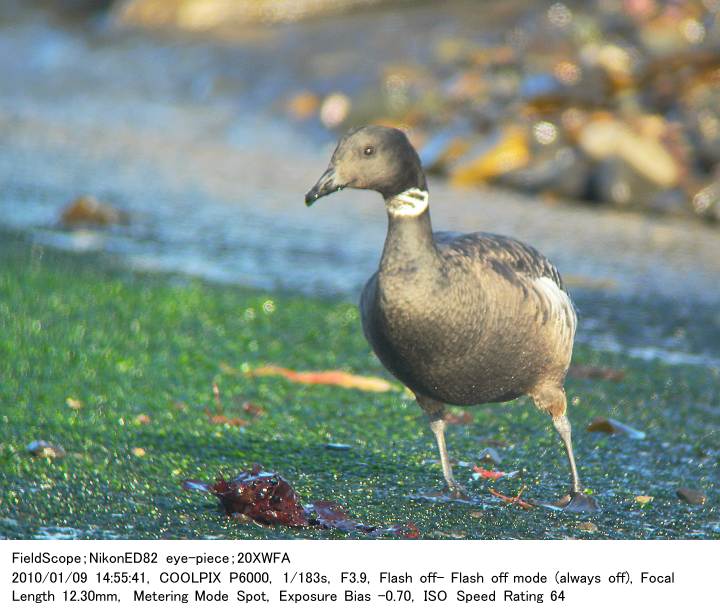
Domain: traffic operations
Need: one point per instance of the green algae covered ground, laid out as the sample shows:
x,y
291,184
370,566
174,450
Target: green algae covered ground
x,y
126,345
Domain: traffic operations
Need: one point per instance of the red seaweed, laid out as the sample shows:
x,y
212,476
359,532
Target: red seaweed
x,y
487,474
332,515
513,500
265,497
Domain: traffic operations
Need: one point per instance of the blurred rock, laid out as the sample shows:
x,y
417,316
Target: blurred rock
x,y
612,102
701,115
608,101
706,202
569,84
454,50
671,31
561,172
616,61
610,138
200,15
445,146
543,86
554,168
303,105
465,86
613,426
693,497
87,211
613,181
335,109
504,151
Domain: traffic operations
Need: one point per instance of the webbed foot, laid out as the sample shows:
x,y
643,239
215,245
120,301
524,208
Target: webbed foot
x,y
578,503
456,491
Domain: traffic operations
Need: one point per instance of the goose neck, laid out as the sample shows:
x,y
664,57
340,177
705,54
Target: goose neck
x,y
409,240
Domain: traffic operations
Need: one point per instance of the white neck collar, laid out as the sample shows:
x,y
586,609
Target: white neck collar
x,y
411,202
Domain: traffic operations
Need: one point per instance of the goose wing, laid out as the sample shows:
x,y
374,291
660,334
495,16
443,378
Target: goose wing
x,y
523,267
511,259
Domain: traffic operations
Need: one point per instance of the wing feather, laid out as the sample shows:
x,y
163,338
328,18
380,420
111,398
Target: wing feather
x,y
508,257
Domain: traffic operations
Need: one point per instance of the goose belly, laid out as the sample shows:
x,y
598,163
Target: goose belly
x,y
497,374
475,361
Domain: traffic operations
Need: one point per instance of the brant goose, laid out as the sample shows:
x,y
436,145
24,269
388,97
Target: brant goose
x,y
459,319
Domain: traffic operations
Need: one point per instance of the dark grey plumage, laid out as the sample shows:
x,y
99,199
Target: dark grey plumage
x,y
450,338
460,319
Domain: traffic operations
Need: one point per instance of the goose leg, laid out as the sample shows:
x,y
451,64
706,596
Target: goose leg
x,y
438,428
575,501
554,402
436,412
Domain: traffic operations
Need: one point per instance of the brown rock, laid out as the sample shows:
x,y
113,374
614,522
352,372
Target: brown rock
x,y
612,426
303,105
693,497
88,211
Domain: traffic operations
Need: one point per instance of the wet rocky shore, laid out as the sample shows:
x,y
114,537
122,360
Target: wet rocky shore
x,y
605,102
191,142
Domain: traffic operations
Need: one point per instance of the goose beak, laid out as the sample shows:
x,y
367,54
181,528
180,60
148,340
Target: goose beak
x,y
327,184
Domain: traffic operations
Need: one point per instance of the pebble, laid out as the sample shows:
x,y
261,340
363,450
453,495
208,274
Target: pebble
x,y
491,455
690,496
337,446
43,449
88,211
612,426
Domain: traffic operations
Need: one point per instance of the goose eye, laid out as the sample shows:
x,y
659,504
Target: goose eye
x,y
369,150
